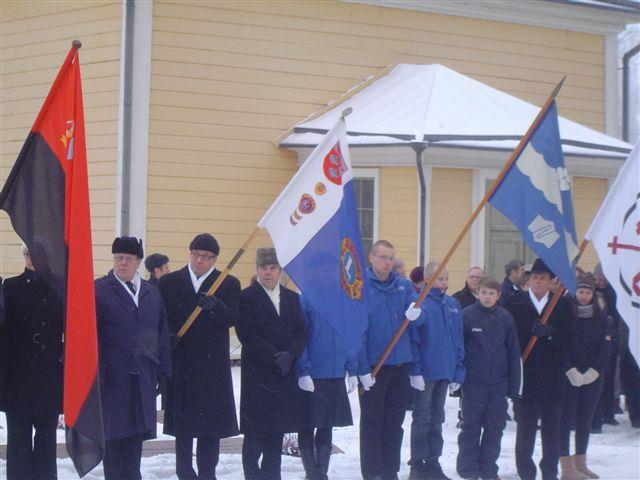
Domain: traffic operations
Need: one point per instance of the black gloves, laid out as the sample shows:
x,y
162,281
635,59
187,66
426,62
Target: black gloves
x,y
163,382
283,361
542,330
208,302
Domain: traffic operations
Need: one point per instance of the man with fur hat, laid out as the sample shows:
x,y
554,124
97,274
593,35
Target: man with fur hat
x,y
273,335
134,348
199,400
544,380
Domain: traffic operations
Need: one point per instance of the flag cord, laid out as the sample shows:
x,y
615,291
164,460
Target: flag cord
x,y
494,186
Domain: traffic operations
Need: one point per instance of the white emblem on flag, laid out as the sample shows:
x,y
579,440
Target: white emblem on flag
x,y
543,231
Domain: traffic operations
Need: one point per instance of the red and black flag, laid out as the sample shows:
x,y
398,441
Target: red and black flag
x,y
47,198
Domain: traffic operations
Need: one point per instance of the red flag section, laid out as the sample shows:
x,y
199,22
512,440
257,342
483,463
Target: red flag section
x,y
47,198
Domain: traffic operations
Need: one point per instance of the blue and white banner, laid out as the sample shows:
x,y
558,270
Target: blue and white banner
x,y
314,227
535,195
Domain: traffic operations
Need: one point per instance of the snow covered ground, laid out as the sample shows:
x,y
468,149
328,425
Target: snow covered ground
x,y
615,454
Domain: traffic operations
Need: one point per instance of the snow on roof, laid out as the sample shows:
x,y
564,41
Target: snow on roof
x,y
438,105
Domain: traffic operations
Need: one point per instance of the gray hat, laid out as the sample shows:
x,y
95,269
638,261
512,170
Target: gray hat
x,y
266,256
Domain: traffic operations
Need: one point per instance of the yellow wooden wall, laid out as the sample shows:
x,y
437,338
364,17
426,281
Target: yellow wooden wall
x,y
229,77
588,194
34,40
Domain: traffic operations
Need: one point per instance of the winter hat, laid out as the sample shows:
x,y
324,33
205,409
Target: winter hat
x,y
417,275
266,256
155,260
130,245
586,280
540,267
205,241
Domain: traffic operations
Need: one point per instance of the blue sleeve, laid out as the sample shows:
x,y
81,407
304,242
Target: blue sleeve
x,y
459,374
364,365
416,353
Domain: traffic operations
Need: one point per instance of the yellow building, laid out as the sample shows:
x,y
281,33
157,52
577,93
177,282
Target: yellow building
x,y
184,101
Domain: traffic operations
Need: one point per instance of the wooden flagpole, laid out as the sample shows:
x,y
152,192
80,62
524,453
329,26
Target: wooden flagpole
x,y
554,301
494,186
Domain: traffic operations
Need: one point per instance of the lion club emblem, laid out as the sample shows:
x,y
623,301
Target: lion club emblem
x,y
351,270
334,166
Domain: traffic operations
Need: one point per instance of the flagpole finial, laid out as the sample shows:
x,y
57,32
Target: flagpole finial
x,y
556,90
345,112
76,44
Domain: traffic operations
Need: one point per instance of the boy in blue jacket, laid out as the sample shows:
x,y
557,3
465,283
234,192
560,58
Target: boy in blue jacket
x,y
492,360
439,353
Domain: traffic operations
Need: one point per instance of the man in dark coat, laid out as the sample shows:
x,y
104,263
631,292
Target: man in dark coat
x,y
511,284
134,348
199,400
157,265
273,335
544,371
468,295
31,352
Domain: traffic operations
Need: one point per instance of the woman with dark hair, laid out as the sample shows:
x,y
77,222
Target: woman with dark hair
x,y
589,356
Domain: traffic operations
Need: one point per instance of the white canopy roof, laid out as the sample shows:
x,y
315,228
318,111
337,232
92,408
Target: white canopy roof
x,y
434,104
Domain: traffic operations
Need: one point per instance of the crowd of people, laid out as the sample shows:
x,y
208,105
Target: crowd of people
x,y
296,373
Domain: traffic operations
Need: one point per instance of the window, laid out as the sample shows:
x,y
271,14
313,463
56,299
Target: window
x,y
366,201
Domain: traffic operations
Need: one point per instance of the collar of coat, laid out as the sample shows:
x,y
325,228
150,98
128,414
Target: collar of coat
x,y
263,298
145,287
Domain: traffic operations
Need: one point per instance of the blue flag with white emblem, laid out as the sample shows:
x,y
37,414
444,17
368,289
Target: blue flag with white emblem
x,y
535,195
314,227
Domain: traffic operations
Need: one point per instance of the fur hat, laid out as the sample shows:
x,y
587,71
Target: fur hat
x,y
540,267
205,241
155,260
130,245
586,280
266,256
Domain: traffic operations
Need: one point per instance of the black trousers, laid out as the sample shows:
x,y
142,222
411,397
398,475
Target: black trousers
x,y
207,453
630,378
321,438
549,410
605,408
269,445
122,458
31,458
484,410
382,411
579,405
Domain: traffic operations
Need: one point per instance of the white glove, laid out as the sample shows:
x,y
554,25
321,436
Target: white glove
x,y
412,313
453,386
575,377
367,381
306,383
352,383
417,382
589,376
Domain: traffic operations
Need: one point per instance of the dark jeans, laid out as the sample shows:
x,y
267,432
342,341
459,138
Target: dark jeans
x,y
382,411
122,458
630,378
31,457
207,452
484,410
579,405
269,445
322,438
605,406
528,411
426,427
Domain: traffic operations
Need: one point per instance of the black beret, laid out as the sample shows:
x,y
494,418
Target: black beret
x,y
205,241
155,260
130,245
540,267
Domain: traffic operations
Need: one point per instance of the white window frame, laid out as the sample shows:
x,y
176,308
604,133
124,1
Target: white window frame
x,y
372,173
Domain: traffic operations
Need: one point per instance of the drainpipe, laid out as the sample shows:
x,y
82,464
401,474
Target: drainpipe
x,y
420,147
125,205
626,59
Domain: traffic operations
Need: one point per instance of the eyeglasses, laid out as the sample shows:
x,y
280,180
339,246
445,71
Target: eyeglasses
x,y
384,258
206,258
125,258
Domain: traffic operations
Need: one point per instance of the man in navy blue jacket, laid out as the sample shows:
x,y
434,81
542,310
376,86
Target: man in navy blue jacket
x,y
492,360
386,398
439,348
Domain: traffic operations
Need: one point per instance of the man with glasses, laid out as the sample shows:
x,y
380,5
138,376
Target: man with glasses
x,y
199,401
386,398
469,294
134,348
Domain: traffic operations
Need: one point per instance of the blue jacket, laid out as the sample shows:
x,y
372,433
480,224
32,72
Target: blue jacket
x,y
491,347
438,342
324,355
388,302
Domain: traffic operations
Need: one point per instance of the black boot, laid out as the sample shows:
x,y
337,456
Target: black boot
x,y
309,463
323,454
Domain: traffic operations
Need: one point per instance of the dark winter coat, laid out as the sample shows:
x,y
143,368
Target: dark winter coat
x,y
31,349
388,302
199,400
549,360
269,402
134,349
1,303
465,297
508,290
491,347
324,355
591,344
438,342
